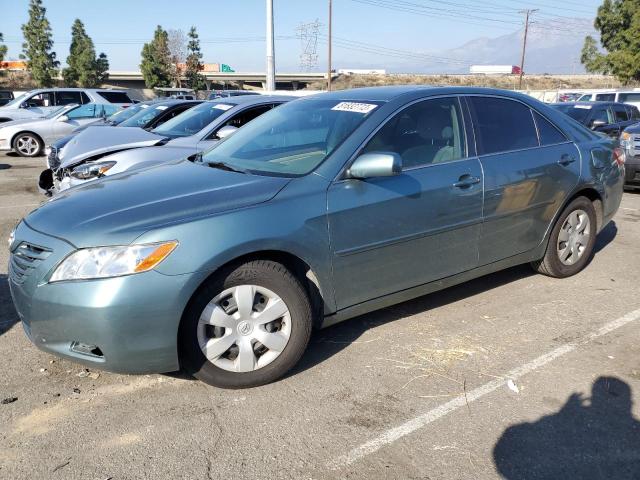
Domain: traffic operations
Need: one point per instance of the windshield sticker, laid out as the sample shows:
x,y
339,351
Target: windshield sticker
x,y
586,107
222,106
354,107
161,107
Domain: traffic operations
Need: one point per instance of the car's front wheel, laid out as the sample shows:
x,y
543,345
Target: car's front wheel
x,y
571,241
246,327
27,145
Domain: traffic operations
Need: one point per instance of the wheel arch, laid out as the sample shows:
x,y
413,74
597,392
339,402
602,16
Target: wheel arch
x,y
596,199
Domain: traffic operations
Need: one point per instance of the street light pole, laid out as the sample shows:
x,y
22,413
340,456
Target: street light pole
x,y
527,13
271,67
329,64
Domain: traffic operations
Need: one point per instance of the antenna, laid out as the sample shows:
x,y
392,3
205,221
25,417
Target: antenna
x,y
308,35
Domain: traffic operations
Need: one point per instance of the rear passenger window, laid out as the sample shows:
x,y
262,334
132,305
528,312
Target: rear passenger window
x,y
67,98
549,134
115,97
425,133
634,113
502,125
620,113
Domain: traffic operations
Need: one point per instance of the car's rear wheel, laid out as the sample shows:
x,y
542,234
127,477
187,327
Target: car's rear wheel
x,y
247,327
27,145
572,239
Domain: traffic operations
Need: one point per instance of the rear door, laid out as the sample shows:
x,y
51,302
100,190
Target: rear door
x,y
393,233
529,169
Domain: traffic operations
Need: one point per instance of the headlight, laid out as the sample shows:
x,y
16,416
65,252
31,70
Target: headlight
x,y
625,136
91,170
105,262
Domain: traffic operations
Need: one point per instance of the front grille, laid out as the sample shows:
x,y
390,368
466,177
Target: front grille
x,y
24,260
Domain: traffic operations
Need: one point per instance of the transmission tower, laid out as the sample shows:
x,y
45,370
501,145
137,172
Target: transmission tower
x,y
308,35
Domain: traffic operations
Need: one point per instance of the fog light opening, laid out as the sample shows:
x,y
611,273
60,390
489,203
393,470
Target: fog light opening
x,y
85,349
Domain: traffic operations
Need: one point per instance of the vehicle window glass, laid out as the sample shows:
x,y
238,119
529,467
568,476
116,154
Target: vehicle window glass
x,y
90,110
502,125
292,139
620,113
115,97
85,97
193,120
65,97
599,115
424,133
629,97
45,99
549,134
144,116
605,97
585,98
244,117
634,113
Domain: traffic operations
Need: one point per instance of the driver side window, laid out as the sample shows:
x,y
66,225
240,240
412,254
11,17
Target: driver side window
x,y
425,133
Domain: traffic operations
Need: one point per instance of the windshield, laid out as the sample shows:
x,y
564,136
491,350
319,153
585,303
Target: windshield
x,y
143,116
293,139
57,110
122,115
18,100
577,112
193,120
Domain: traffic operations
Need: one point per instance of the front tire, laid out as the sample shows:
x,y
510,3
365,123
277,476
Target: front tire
x,y
571,242
246,327
27,145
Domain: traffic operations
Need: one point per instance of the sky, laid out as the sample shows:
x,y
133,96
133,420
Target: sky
x,y
367,33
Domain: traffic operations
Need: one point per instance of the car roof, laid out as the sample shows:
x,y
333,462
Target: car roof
x,y
77,89
251,99
169,102
599,103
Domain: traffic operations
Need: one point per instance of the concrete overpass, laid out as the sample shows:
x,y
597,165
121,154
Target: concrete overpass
x,y
284,81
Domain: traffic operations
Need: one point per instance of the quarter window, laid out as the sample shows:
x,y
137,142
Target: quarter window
x,y
549,134
425,133
502,125
634,113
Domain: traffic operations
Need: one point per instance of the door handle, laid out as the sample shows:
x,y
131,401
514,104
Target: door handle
x,y
566,159
466,181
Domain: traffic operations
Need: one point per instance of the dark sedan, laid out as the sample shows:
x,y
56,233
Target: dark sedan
x,y
610,118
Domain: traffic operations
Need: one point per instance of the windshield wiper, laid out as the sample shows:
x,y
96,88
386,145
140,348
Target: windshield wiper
x,y
225,166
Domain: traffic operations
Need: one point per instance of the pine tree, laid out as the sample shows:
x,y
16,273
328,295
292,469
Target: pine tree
x,y
83,65
194,62
41,61
102,67
156,60
3,48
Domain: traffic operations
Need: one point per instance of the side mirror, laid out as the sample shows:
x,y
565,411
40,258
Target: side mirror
x,y
376,164
226,131
598,123
62,118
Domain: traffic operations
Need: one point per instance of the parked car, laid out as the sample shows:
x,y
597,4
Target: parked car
x,y
85,157
28,137
631,97
177,93
319,210
631,142
230,93
36,103
5,97
147,116
610,118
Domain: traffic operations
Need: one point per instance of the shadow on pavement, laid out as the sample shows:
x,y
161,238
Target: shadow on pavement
x,y
4,166
586,440
8,315
606,236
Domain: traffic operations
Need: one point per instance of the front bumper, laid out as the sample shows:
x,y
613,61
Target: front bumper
x,y
132,320
5,144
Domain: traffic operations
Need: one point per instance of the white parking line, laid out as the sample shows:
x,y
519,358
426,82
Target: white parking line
x,y
431,416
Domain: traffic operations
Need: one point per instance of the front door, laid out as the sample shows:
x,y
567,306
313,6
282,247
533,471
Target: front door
x,y
393,233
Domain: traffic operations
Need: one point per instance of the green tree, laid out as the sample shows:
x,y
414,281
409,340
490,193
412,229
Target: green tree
x,y
194,78
84,70
156,60
36,49
3,48
618,22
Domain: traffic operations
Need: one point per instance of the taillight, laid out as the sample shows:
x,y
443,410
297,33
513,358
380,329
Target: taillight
x,y
619,156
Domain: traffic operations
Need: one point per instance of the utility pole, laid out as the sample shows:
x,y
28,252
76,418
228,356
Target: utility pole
x,y
271,66
329,64
527,13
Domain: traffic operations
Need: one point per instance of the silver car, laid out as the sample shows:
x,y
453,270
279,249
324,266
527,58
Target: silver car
x,y
29,136
86,157
40,102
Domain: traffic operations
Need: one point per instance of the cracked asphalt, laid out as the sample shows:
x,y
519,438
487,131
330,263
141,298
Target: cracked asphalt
x,y
415,391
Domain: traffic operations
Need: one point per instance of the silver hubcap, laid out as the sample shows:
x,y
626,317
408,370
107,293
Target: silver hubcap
x,y
244,328
574,237
27,145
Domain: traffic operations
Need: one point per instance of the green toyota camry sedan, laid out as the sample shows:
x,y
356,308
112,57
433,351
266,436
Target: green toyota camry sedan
x,y
325,208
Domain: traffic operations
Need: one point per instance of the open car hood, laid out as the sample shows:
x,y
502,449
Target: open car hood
x,y
97,141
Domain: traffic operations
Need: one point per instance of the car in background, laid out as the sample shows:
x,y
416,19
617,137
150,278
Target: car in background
x,y
230,93
568,97
177,93
36,103
318,211
147,115
85,158
630,140
29,136
610,118
632,97
5,97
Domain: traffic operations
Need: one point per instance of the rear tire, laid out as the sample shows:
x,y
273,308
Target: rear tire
x,y
27,145
230,329
571,242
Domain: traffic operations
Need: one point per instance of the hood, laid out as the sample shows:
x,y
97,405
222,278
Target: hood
x,y
96,141
17,123
147,157
19,114
116,210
